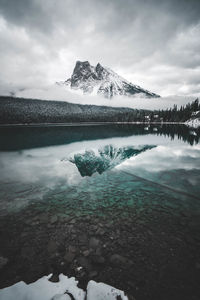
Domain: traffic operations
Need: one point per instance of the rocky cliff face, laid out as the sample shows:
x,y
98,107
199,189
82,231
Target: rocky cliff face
x,y
103,81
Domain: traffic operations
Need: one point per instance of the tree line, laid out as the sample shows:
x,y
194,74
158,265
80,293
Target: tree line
x,y
26,111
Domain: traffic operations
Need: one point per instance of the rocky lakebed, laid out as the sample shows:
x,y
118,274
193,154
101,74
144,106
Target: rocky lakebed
x,y
147,253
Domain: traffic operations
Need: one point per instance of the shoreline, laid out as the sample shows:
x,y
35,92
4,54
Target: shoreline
x,y
87,124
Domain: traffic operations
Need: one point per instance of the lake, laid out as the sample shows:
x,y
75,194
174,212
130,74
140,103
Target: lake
x,y
120,201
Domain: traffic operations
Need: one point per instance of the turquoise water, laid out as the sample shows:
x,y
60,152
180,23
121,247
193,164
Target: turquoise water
x,y
102,170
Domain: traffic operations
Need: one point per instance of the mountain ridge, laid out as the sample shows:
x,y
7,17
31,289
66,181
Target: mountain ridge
x,y
102,81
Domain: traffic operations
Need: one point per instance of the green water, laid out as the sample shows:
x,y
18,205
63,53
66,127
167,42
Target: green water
x,y
105,170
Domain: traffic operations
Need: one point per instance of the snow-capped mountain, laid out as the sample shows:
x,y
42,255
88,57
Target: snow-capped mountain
x,y
103,81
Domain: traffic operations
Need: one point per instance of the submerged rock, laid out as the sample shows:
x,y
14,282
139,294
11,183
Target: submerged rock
x,y
94,243
86,253
69,256
98,259
53,219
117,259
52,246
3,261
85,263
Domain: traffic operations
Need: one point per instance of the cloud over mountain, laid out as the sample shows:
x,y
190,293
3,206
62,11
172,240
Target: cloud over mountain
x,y
152,43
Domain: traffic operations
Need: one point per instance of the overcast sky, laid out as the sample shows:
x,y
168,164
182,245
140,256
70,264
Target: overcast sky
x,y
154,43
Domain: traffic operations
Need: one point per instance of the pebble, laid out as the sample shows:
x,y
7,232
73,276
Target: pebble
x,y
84,262
98,259
27,252
86,253
73,221
83,239
52,246
53,219
72,249
93,274
117,259
94,242
43,218
3,261
100,231
69,256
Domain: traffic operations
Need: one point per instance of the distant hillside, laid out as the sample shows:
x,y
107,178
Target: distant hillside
x,y
28,111
19,110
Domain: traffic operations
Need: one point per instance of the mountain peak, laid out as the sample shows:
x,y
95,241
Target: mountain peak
x,y
82,64
103,81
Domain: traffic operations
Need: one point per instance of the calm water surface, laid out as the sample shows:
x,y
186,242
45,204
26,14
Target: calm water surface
x,y
99,168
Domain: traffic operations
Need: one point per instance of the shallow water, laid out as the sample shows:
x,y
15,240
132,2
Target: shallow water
x,y
133,188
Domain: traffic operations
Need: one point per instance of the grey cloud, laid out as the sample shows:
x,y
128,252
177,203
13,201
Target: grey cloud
x,y
25,13
38,12
43,39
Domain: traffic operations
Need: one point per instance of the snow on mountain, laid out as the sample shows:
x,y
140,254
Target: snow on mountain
x,y
103,81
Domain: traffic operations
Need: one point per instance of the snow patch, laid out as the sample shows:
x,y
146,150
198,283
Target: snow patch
x,y
100,291
194,123
43,289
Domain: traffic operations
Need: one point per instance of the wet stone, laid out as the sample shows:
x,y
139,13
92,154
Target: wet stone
x,y
72,249
189,239
24,234
27,252
93,227
93,274
73,221
100,231
94,242
69,256
52,246
53,219
3,261
117,259
86,253
84,262
43,218
98,259
124,260
82,239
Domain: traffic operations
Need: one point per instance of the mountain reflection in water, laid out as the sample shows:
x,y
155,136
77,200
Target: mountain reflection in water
x,y
98,166
106,158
